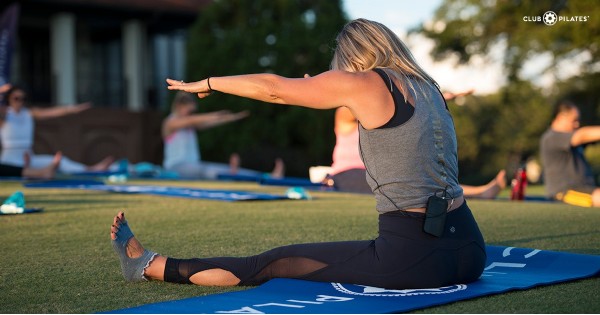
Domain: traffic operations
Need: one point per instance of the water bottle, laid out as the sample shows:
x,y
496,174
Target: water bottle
x,y
518,184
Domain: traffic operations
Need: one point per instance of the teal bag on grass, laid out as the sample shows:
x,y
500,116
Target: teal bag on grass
x,y
15,204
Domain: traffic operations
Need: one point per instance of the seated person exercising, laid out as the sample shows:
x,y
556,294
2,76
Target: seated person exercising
x,y
567,175
411,159
182,154
17,126
348,171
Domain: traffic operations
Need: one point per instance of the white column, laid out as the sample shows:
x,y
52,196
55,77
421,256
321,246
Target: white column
x,y
161,68
179,54
62,37
169,62
134,52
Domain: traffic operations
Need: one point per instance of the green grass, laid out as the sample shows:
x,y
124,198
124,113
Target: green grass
x,y
61,261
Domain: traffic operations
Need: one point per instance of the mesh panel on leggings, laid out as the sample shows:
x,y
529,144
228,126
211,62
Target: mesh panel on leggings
x,y
289,267
180,270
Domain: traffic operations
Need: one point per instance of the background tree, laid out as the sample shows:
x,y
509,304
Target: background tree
x,y
286,37
470,27
493,135
502,130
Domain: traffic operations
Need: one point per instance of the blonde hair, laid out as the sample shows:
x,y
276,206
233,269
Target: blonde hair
x,y
363,45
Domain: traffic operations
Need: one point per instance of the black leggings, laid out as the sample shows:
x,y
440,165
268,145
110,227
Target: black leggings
x,y
402,257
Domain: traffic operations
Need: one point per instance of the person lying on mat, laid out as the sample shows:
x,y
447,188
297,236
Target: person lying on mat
x,y
348,171
408,143
48,172
17,124
567,175
182,154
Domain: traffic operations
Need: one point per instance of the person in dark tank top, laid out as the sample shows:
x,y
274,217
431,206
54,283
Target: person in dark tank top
x,y
348,172
408,162
567,174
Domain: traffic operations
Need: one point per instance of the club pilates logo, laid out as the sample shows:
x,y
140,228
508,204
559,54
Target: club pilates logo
x,y
364,290
550,18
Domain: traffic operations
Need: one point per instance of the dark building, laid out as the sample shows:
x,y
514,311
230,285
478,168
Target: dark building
x,y
114,53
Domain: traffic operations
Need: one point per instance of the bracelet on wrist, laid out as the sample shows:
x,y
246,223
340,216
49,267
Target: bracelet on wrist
x,y
208,83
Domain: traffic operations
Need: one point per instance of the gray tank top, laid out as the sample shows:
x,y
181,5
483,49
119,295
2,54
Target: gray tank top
x,y
408,163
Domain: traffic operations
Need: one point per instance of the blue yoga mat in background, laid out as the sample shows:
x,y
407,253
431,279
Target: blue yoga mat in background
x,y
63,183
96,173
267,180
12,178
167,191
289,181
240,178
508,269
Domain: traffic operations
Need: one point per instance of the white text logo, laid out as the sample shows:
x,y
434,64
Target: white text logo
x,y
550,18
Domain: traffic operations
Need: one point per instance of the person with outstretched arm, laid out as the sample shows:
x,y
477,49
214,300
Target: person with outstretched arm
x,y
181,150
427,234
17,128
568,176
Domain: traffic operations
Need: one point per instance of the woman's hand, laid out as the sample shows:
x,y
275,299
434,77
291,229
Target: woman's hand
x,y
240,115
5,87
80,107
224,116
448,96
199,87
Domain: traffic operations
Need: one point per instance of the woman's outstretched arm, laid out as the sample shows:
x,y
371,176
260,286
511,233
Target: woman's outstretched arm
x,y
324,91
362,92
59,111
202,121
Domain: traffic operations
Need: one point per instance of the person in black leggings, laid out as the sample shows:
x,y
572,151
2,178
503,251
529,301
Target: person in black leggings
x,y
408,145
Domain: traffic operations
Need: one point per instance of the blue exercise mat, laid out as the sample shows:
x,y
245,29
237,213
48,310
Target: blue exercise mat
x,y
267,180
290,181
12,178
167,191
240,178
508,269
96,173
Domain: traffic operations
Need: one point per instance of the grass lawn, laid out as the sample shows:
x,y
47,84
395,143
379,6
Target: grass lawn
x,y
61,260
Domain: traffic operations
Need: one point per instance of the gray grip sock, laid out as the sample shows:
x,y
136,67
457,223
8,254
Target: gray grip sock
x,y
132,268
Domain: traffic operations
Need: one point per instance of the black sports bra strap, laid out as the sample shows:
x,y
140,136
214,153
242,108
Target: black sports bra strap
x,y
403,111
381,72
